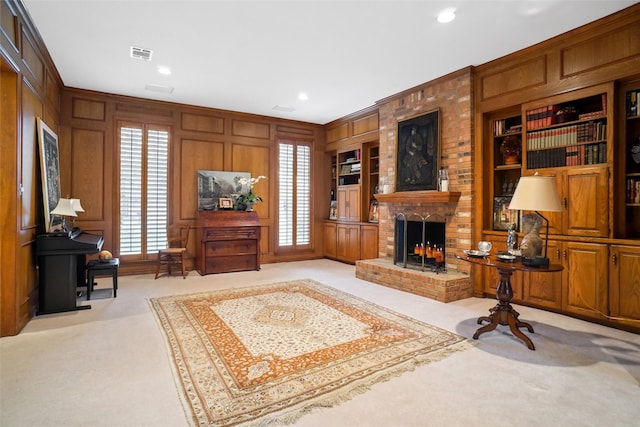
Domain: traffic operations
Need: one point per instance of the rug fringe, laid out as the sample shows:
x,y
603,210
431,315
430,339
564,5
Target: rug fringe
x,y
338,397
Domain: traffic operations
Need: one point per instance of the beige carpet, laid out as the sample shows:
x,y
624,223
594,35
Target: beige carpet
x,y
267,354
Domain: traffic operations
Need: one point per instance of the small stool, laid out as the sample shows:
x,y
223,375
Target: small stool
x,y
97,268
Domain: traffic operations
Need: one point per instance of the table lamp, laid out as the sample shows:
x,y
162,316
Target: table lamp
x,y
64,209
537,193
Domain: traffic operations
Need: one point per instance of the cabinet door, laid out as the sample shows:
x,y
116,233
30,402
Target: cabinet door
x,y
369,242
545,289
587,202
625,282
556,219
330,242
585,279
349,203
348,244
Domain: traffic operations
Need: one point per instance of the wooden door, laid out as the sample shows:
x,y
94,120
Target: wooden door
x,y
330,240
585,279
545,289
625,283
348,242
353,203
368,242
587,208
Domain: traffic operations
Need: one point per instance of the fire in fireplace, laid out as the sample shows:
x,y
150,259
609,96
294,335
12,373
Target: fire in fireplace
x,y
420,242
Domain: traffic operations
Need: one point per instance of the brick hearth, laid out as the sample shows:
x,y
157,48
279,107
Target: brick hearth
x,y
444,287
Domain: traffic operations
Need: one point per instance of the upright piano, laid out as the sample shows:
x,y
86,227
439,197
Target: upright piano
x,y
61,265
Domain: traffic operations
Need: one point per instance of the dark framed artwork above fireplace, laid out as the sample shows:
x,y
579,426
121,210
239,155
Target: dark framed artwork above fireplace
x,y
419,152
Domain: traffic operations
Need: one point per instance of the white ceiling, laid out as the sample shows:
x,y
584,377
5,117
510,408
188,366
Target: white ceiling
x,y
250,56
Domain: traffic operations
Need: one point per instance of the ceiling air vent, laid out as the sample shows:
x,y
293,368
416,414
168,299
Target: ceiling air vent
x,y
141,53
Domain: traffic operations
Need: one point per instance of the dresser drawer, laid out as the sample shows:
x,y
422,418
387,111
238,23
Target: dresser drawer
x,y
230,233
231,247
223,264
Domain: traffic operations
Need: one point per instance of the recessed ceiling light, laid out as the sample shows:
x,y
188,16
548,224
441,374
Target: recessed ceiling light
x,y
303,96
165,71
446,16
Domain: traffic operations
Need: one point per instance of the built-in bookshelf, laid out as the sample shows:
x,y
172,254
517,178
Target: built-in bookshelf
x,y
349,167
507,169
632,162
569,134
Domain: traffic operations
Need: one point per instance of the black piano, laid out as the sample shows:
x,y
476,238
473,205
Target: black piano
x,y
61,264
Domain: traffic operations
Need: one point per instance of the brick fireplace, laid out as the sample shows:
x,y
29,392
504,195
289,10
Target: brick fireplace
x,y
452,95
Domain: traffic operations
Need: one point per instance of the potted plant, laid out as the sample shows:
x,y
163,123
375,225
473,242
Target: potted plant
x,y
247,200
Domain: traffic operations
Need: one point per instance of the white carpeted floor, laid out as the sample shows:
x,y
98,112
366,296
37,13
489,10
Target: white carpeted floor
x,y
108,366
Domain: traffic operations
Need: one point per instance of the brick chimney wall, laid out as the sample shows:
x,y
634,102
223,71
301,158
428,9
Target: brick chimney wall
x,y
453,96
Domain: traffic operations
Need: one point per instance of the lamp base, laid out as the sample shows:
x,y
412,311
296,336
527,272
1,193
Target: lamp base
x,y
536,262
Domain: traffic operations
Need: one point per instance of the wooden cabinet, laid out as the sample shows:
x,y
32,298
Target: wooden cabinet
x,y
585,279
545,289
348,241
330,239
368,241
227,241
584,195
349,203
624,284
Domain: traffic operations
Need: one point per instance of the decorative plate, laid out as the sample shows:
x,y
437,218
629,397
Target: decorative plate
x,y
477,254
505,257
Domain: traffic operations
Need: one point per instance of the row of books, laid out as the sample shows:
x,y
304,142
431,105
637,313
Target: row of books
x,y
505,126
546,116
633,97
349,168
567,135
633,190
577,155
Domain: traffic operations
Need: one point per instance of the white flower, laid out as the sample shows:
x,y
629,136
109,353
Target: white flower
x,y
250,182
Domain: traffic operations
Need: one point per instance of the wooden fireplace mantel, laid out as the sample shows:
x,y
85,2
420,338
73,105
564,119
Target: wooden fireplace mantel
x,y
430,196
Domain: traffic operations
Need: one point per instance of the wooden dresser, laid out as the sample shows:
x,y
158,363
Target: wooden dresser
x,y
227,241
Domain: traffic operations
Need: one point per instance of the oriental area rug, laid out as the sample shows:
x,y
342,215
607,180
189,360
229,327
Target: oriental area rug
x,y
268,354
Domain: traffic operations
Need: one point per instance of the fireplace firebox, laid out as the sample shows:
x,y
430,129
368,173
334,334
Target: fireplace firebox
x,y
420,242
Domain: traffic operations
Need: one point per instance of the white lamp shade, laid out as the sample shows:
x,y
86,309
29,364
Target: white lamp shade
x,y
75,204
64,208
536,193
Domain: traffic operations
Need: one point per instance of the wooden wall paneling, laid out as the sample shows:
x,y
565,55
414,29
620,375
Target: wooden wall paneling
x,y
29,165
88,109
32,60
191,156
8,26
250,129
528,73
86,181
8,191
257,161
601,50
202,123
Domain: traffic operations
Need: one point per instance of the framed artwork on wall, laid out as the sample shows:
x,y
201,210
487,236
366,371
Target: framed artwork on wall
x,y
214,185
49,170
419,152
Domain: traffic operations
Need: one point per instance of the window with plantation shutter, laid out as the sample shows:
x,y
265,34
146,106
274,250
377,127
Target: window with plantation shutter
x,y
144,159
294,190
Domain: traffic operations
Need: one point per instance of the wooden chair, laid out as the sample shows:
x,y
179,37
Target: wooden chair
x,y
175,253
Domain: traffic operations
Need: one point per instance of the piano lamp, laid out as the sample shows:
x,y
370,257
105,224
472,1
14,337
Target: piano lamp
x,y
67,208
536,193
